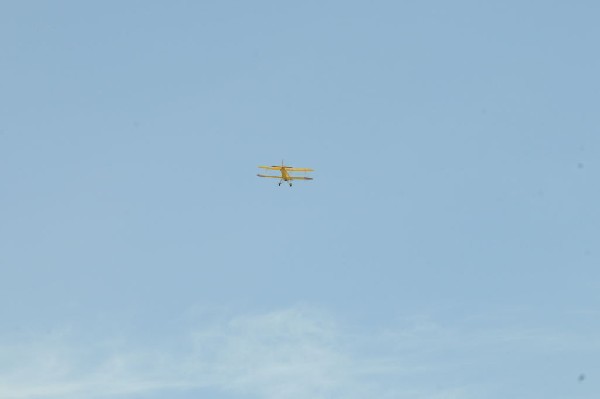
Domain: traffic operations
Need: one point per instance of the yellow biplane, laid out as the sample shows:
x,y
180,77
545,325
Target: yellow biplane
x,y
285,173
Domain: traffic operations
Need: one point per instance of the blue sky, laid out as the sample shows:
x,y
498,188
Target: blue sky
x,y
447,248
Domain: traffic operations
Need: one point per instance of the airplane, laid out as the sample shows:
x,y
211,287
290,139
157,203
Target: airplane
x,y
285,173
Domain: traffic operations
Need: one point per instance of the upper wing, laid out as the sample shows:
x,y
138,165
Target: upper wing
x,y
291,169
299,178
271,167
274,177
288,168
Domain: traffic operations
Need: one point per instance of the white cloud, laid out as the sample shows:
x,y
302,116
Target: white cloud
x,y
287,354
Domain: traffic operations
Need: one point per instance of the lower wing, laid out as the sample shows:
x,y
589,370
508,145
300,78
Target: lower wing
x,y
273,177
299,178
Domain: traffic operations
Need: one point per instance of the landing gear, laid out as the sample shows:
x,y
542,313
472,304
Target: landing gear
x,y
279,184
290,184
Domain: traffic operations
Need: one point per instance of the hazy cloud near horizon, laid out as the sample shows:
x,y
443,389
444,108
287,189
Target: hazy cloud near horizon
x,y
294,353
